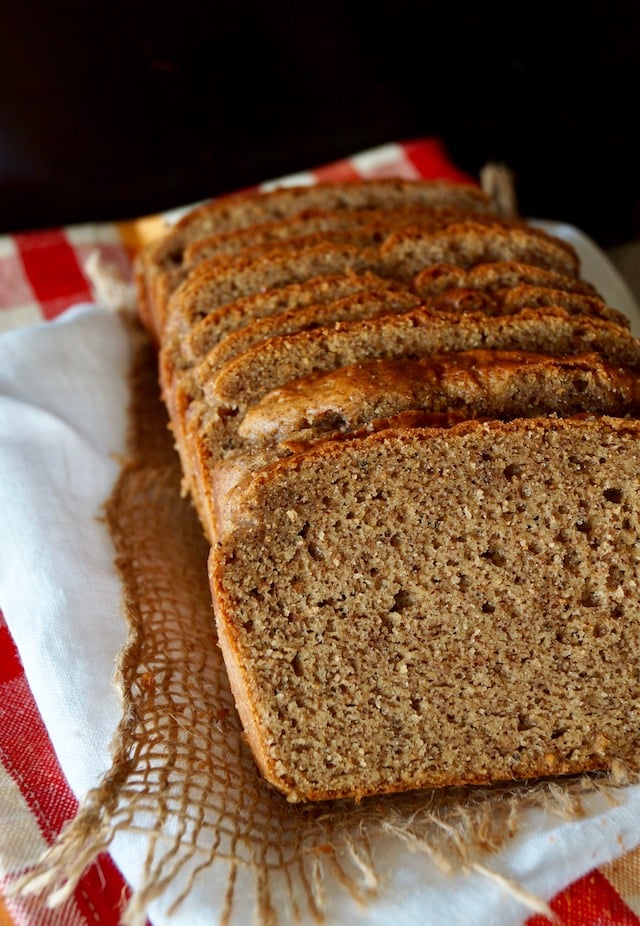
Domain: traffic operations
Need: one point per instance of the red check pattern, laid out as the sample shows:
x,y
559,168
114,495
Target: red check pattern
x,y
41,275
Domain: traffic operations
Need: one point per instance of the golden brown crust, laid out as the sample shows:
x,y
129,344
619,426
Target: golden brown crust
x,y
347,398
260,367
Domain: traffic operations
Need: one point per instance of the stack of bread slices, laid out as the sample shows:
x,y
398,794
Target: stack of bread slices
x,y
410,430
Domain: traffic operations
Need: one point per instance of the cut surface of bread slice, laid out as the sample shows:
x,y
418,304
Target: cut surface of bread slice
x,y
365,304
211,428
506,300
316,221
158,262
180,387
209,288
206,334
406,252
433,281
429,607
401,256
317,295
415,333
440,277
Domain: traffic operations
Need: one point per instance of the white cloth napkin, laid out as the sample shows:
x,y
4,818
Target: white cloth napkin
x,y
63,416
63,399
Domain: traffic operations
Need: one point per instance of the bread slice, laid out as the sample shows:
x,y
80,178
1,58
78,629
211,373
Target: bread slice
x,y
428,607
401,256
211,427
495,383
406,252
157,264
369,303
217,324
270,235
441,277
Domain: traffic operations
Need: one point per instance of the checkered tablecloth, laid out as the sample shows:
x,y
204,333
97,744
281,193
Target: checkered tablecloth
x,y
41,275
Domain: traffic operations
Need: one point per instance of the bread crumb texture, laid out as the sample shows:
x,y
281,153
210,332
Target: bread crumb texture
x,y
427,607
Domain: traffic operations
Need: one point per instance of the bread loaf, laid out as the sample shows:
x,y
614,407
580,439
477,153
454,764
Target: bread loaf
x,y
411,431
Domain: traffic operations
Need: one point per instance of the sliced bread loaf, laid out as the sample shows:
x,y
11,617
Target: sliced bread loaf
x,y
494,383
210,429
157,264
410,431
401,256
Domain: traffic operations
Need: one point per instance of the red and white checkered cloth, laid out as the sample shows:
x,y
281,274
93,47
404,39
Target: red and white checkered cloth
x,y
41,275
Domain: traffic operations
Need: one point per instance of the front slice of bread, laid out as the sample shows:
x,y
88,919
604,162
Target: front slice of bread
x,y
430,607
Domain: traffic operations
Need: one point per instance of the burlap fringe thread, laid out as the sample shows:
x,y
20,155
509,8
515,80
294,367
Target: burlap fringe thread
x,y
182,777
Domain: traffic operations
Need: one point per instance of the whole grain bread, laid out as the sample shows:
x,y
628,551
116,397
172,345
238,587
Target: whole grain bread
x,y
438,390
426,607
409,334
401,256
440,277
270,235
314,296
369,303
157,265
498,383
410,430
217,324
210,430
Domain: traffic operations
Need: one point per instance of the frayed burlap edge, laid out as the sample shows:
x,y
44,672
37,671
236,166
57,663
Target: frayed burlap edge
x,y
181,775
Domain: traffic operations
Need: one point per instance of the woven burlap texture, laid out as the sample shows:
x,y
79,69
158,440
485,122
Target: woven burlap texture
x,y
182,774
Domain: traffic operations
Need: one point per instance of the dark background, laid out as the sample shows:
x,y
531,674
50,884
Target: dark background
x,y
117,109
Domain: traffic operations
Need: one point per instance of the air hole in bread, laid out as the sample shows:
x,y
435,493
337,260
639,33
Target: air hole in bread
x,y
589,598
495,557
615,577
525,723
401,600
512,470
